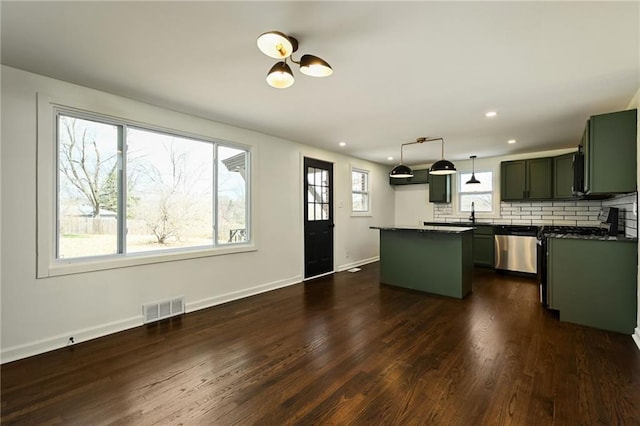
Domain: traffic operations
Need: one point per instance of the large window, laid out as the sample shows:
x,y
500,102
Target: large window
x,y
125,189
359,191
480,194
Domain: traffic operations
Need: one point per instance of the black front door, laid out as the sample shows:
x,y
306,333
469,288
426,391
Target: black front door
x,y
318,217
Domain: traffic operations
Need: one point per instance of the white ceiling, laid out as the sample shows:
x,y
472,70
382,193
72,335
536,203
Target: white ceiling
x,y
401,69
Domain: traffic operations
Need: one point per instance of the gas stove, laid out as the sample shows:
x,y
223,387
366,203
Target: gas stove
x,y
571,230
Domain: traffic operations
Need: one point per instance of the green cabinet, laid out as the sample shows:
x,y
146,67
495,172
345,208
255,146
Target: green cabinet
x,y
539,178
563,176
431,261
593,282
420,176
526,179
513,177
483,246
609,144
440,188
483,241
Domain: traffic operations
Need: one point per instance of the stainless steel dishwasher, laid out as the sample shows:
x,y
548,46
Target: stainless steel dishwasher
x,y
516,248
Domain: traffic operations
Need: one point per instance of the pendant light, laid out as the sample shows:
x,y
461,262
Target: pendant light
x,y
441,167
401,171
315,67
280,76
473,170
276,44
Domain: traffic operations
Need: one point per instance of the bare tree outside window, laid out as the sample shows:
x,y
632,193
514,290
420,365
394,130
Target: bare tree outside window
x,y
174,192
158,194
87,187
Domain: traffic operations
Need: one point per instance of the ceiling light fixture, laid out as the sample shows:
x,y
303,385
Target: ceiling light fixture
x,y
473,170
281,46
342,144
440,167
511,141
491,114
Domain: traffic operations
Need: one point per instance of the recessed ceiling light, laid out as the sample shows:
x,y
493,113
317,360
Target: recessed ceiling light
x,y
490,114
342,144
389,158
511,141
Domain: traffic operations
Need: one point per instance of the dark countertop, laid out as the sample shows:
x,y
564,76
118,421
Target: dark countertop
x,y
436,229
593,237
477,223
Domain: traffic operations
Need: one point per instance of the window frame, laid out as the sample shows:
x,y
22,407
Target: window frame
x,y
366,212
48,264
459,193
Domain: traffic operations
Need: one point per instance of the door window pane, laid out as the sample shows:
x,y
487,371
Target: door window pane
x,y
325,195
317,194
87,188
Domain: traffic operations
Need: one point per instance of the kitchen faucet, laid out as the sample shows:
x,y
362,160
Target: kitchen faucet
x,y
472,218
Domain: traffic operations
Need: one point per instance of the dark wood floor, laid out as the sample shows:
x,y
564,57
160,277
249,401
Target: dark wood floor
x,y
341,350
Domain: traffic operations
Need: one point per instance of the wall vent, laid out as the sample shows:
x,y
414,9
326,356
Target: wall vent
x,y
157,311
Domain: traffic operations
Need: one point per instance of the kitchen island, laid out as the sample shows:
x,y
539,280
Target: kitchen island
x,y
434,259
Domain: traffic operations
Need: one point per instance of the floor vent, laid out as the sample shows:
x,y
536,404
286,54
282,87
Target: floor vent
x,y
163,309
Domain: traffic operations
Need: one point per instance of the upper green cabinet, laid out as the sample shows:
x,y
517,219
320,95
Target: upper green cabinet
x,y
563,176
539,178
440,188
527,179
609,144
419,176
513,178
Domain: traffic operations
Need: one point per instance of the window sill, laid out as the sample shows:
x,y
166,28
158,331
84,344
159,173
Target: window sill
x,y
361,214
78,266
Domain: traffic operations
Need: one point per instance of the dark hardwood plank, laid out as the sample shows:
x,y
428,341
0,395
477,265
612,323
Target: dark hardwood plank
x,y
341,350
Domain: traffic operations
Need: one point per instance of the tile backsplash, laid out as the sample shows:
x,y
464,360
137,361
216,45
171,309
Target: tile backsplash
x,y
566,213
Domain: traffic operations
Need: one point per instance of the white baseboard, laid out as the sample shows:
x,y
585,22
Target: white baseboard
x,y
56,342
636,336
357,263
241,294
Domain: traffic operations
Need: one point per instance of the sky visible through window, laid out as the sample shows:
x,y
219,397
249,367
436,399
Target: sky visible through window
x,y
169,187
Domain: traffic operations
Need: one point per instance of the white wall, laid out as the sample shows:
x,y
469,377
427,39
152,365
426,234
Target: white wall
x,y
412,206
40,314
